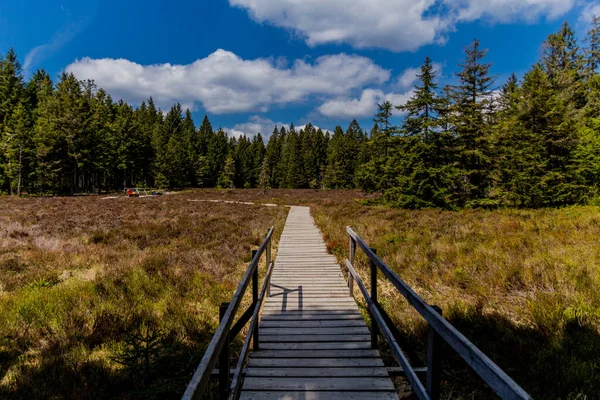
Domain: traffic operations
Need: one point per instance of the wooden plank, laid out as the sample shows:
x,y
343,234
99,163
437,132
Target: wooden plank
x,y
358,330
312,317
310,301
312,324
320,355
318,395
316,346
296,372
315,362
290,308
327,383
314,338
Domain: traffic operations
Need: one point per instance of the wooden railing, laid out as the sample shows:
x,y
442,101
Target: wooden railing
x,y
218,349
439,330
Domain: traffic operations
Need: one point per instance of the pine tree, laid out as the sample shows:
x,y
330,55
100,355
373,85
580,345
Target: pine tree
x,y
264,180
421,168
470,118
17,146
382,118
227,174
592,51
217,153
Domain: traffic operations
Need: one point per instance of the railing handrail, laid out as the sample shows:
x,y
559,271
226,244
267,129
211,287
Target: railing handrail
x,y
204,371
496,378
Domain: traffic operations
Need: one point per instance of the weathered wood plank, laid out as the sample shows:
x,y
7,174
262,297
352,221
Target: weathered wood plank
x,y
318,395
312,324
327,383
320,355
316,346
357,330
315,362
314,338
295,372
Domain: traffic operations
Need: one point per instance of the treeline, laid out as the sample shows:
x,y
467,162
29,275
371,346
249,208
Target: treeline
x,y
532,142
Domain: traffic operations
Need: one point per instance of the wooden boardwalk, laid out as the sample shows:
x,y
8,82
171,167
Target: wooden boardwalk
x,y
314,343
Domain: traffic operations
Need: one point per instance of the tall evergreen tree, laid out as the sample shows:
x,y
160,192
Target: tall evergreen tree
x,y
421,165
470,118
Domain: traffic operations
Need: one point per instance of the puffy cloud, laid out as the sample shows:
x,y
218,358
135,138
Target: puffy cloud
x,y
510,10
395,24
257,124
225,83
407,79
364,106
588,12
398,25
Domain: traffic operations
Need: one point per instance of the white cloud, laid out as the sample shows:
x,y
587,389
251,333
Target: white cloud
x,y
225,83
362,107
398,25
588,12
510,10
257,124
407,79
395,24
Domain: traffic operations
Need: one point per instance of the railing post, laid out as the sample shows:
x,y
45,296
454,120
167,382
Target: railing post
x,y
269,263
434,361
350,277
255,299
374,326
224,359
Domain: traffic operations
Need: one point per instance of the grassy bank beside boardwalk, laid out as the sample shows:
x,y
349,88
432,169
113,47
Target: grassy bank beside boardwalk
x,y
523,285
116,298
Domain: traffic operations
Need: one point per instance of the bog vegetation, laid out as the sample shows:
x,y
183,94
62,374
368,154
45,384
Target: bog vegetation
x,y
531,142
520,284
116,298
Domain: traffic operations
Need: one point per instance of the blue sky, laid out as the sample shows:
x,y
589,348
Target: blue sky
x,y
252,63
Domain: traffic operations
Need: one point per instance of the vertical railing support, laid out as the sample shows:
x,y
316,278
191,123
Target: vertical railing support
x,y
434,361
374,326
255,342
268,264
224,359
350,277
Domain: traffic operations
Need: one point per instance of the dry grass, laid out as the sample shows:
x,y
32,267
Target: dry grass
x,y
523,285
84,279
116,298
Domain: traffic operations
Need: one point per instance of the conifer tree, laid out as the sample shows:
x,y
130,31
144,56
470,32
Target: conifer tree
x,y
592,51
17,145
217,152
227,174
421,166
470,120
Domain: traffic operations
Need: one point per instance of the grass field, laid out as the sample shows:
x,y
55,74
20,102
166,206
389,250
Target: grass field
x,y
523,285
117,298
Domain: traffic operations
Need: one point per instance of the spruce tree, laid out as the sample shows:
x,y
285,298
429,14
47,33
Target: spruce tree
x,y
592,50
17,146
470,118
421,168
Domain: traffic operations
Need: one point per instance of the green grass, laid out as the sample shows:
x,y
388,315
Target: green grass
x,y
522,285
118,298
106,299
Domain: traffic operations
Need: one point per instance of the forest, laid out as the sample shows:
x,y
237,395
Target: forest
x,y
530,142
